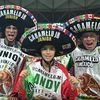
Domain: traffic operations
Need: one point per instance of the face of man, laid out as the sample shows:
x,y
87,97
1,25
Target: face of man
x,y
11,33
89,40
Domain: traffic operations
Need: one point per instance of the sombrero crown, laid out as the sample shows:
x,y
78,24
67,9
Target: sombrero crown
x,y
32,41
17,16
83,23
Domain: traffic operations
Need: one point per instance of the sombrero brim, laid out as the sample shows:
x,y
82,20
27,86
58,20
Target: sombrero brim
x,y
18,16
31,42
83,23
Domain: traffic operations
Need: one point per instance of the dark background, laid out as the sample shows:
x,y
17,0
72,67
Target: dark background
x,y
56,11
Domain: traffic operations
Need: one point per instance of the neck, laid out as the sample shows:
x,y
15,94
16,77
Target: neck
x,y
47,65
9,43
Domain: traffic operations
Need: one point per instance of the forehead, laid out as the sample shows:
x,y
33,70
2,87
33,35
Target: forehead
x,y
11,26
89,34
48,46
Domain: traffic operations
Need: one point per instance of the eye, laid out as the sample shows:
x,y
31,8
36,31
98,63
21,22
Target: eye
x,y
8,27
44,48
14,28
53,49
48,48
11,27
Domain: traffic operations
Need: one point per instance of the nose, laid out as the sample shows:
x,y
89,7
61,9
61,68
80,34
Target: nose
x,y
11,29
48,51
88,38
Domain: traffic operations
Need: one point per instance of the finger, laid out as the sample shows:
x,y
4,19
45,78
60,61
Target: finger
x,y
24,73
12,98
69,74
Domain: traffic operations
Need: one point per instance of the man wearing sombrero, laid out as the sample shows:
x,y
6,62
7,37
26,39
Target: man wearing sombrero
x,y
46,79
13,22
86,56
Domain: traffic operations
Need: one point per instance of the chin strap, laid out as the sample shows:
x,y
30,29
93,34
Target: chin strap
x,y
48,63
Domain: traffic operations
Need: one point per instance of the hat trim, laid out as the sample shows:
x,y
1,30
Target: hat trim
x,y
16,11
38,38
82,23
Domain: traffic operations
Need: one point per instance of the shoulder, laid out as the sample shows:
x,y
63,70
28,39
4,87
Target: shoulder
x,y
63,69
78,51
2,40
98,49
35,63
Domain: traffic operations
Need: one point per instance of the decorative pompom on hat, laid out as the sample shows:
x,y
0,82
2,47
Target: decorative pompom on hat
x,y
33,40
17,16
83,23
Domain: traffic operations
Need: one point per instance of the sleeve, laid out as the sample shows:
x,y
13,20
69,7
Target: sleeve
x,y
67,93
70,65
17,90
28,84
66,90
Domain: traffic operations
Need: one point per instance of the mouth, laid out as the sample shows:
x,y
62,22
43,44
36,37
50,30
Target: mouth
x,y
48,57
11,36
89,44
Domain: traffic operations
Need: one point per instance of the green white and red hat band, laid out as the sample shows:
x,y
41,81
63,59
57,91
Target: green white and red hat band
x,y
32,42
17,16
83,23
34,30
17,11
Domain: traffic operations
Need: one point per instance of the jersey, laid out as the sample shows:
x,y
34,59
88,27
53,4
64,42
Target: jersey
x,y
53,85
16,44
87,70
11,59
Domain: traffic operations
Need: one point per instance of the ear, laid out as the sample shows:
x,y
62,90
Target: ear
x,y
98,38
79,41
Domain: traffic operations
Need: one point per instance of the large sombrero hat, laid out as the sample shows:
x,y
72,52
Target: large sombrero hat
x,y
18,16
83,23
32,41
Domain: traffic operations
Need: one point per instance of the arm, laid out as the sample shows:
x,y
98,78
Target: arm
x,y
68,91
70,65
17,89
